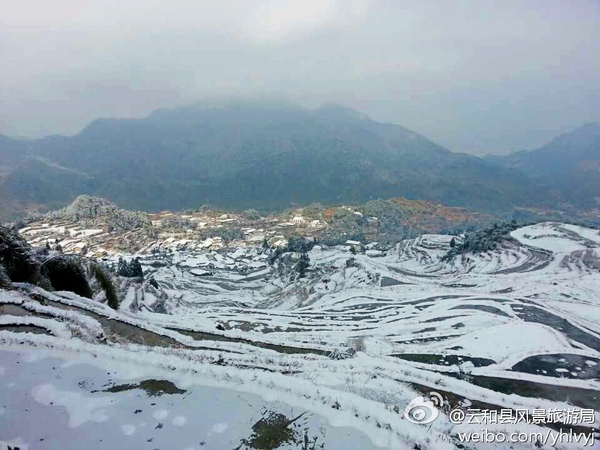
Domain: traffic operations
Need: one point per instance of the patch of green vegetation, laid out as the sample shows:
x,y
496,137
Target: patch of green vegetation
x,y
4,278
271,432
295,245
107,285
483,240
131,269
274,430
67,274
154,388
390,215
16,258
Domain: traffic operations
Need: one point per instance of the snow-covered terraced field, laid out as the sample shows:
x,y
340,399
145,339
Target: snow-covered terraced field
x,y
352,343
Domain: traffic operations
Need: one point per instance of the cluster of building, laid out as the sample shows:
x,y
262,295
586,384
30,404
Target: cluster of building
x,y
169,230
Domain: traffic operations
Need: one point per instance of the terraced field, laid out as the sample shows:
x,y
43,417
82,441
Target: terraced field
x,y
352,343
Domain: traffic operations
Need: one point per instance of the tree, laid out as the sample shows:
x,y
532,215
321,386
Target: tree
x,y
66,273
4,279
313,211
452,243
122,267
107,285
16,256
302,264
299,244
484,240
251,214
275,255
136,268
132,269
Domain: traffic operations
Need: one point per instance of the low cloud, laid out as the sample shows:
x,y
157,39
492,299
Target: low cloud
x,y
278,20
473,76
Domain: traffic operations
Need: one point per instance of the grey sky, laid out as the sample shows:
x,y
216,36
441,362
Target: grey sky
x,y
474,76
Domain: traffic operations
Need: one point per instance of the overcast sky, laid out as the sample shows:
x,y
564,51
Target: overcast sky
x,y
476,76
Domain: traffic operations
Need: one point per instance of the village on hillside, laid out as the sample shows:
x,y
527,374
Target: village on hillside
x,y
96,228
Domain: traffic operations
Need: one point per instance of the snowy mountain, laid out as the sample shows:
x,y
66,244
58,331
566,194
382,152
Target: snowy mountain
x,y
344,349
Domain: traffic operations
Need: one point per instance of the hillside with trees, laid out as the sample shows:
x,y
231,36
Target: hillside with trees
x,y
570,163
258,155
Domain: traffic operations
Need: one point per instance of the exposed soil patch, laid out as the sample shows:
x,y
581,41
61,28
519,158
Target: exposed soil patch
x,y
424,330
153,388
25,329
439,319
486,308
412,274
201,336
13,310
117,330
431,299
387,281
561,366
584,398
444,360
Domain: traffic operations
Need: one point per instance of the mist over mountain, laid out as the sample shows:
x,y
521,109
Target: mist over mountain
x,y
569,163
12,153
267,155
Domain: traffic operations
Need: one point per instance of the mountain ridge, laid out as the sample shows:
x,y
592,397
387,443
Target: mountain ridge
x,y
570,162
263,155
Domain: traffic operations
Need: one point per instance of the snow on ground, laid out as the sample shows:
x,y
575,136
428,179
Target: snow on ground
x,y
72,410
514,328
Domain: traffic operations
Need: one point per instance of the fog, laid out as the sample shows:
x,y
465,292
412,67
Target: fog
x,y
480,76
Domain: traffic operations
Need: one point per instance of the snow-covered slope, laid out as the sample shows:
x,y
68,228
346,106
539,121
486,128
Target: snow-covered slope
x,y
356,339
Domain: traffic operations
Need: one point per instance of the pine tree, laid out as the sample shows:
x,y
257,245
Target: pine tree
x,y
136,268
302,264
132,269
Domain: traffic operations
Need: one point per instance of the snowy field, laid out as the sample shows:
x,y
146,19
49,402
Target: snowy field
x,y
346,348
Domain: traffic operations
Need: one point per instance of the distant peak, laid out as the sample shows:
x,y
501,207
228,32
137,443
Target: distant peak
x,y
582,133
231,104
4,137
341,111
590,126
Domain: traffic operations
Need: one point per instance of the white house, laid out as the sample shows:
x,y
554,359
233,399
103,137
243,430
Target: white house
x,y
298,220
